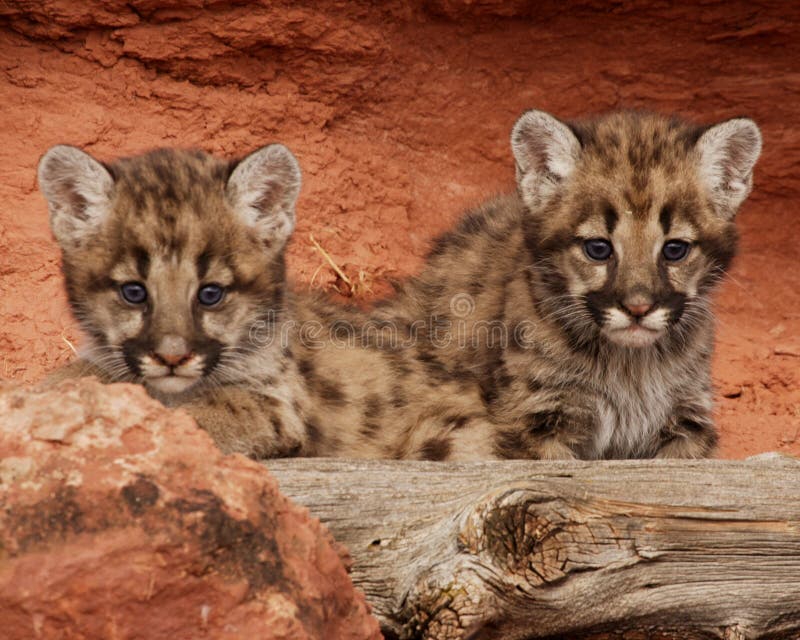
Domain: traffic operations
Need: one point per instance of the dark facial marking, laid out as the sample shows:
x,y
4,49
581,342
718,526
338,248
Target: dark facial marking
x,y
132,351
203,262
597,302
142,262
611,218
665,218
720,250
100,282
559,241
675,302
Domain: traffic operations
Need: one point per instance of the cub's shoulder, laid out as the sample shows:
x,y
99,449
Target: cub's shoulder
x,y
495,222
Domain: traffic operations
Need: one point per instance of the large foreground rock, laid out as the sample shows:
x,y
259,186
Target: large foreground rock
x,y
119,519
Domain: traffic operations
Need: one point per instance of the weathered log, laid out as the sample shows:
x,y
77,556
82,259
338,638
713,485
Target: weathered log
x,y
522,549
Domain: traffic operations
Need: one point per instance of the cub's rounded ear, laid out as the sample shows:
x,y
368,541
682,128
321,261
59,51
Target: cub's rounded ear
x,y
263,189
78,190
728,153
545,150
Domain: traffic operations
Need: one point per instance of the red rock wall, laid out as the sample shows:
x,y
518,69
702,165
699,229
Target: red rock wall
x,y
400,113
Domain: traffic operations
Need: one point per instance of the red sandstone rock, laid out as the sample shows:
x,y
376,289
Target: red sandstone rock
x,y
399,112
120,519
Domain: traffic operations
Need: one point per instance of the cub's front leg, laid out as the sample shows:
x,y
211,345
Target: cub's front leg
x,y
244,421
690,433
560,431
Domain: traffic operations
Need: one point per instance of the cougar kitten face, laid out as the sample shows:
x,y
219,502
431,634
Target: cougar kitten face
x,y
170,258
631,219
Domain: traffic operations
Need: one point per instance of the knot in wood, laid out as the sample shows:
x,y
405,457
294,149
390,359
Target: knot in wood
x,y
535,540
522,538
451,611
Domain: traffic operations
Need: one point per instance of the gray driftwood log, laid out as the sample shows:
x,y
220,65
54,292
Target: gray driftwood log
x,y
513,550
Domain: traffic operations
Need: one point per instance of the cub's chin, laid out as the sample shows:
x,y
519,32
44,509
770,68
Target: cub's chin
x,y
635,336
170,385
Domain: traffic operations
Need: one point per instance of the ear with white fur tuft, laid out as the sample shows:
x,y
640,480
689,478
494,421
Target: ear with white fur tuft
x,y
263,189
728,152
545,150
78,190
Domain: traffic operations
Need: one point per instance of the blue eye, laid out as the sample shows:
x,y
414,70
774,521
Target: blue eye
x,y
675,250
210,294
133,292
598,249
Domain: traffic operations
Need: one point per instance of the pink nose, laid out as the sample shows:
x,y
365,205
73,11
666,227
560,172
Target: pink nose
x,y
638,310
172,359
172,351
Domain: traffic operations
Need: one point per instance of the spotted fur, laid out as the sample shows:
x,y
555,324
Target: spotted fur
x,y
266,371
603,358
511,343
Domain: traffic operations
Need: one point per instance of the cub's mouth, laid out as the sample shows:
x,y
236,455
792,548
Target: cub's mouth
x,y
171,374
635,335
623,329
171,383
